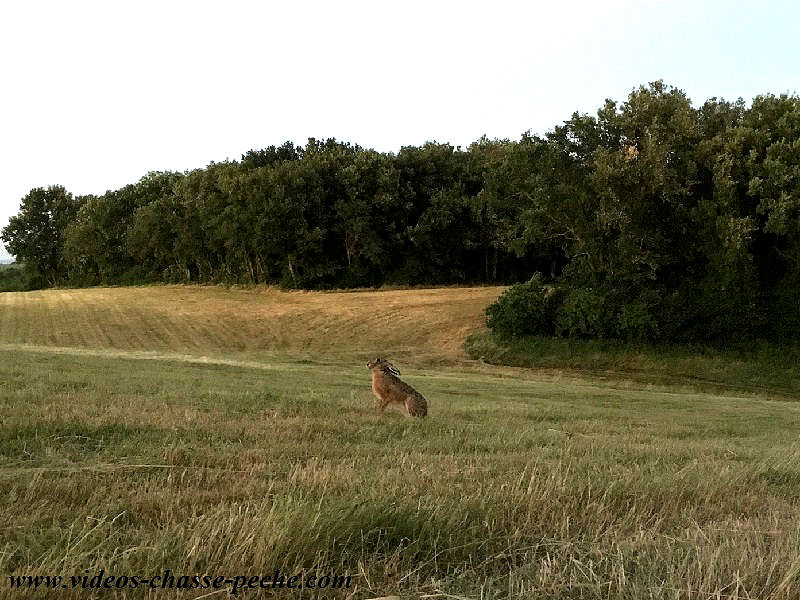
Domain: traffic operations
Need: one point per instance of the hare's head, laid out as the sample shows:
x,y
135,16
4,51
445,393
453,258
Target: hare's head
x,y
384,365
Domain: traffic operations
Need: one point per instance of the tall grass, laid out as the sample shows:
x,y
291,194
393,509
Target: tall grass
x,y
752,367
514,487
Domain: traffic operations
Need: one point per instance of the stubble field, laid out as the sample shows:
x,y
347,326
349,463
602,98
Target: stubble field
x,y
226,432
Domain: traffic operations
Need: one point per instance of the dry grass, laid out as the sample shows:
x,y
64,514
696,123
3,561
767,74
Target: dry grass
x,y
210,458
420,324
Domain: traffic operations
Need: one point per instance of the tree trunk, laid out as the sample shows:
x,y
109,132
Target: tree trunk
x,y
250,266
291,270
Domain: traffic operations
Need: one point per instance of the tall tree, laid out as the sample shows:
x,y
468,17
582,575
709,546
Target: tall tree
x,y
36,234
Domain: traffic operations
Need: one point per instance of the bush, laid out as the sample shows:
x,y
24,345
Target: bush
x,y
784,310
637,321
586,313
525,309
19,278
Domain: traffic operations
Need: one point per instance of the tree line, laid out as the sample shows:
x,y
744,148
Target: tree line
x,y
654,219
326,215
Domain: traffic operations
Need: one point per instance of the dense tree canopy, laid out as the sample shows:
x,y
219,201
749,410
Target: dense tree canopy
x,y
653,219
677,223
36,235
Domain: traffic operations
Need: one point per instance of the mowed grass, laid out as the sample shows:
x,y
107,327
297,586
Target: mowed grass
x,y
229,456
420,326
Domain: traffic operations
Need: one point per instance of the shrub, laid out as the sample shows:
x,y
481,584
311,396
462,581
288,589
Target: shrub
x,y
20,278
784,310
586,313
525,309
637,321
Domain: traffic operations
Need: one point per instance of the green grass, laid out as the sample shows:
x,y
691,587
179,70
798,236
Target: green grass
x,y
226,431
755,368
515,487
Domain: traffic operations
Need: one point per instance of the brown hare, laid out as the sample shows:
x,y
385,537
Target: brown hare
x,y
389,388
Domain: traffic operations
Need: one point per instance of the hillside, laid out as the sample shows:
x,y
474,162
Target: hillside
x,y
249,441
417,325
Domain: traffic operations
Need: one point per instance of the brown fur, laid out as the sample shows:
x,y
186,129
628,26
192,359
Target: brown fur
x,y
391,389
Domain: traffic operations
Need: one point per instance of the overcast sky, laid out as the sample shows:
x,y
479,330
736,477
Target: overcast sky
x,y
96,94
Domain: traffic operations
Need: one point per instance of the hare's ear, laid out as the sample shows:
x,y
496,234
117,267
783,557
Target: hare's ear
x,y
392,369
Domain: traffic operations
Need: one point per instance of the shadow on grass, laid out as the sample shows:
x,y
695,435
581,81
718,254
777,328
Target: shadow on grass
x,y
761,368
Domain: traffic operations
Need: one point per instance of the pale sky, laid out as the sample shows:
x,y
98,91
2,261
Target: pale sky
x,y
96,94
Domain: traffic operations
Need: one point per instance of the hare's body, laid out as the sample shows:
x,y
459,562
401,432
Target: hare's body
x,y
390,389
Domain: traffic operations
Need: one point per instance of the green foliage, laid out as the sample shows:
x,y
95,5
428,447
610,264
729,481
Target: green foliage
x,y
525,309
783,318
585,313
637,321
17,278
677,224
35,235
656,219
746,366
534,309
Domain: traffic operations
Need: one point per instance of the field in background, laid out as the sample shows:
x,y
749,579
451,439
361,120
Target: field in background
x,y
248,441
416,326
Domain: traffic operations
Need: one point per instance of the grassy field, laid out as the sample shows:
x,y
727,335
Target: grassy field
x,y
219,431
420,326
759,368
